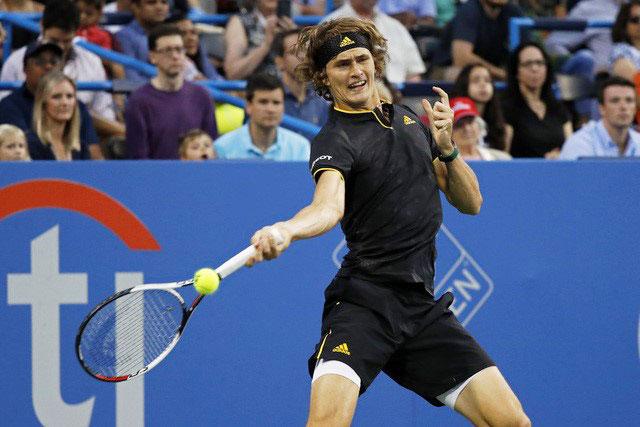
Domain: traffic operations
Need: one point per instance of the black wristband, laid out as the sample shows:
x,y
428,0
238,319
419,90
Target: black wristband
x,y
451,157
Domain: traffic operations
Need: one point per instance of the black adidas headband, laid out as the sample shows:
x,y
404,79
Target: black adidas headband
x,y
338,44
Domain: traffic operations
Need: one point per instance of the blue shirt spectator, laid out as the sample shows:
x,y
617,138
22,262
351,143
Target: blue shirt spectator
x,y
262,137
132,41
312,109
593,140
288,146
410,12
611,136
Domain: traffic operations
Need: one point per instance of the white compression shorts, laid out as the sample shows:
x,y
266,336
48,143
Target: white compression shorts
x,y
448,398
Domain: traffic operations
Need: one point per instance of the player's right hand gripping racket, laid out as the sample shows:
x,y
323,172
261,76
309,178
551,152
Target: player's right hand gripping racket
x,y
133,330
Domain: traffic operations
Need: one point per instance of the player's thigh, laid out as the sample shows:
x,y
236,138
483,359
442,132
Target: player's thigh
x,y
441,356
357,337
333,401
488,400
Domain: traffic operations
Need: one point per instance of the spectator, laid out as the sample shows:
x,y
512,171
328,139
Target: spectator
x,y
405,62
446,12
585,53
56,120
388,92
132,39
3,33
410,12
540,124
196,145
474,81
17,108
469,130
309,7
60,21
13,144
162,110
20,36
249,38
612,135
118,6
195,51
479,33
625,55
262,137
300,100
90,16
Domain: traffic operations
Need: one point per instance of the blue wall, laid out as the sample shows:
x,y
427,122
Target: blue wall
x,y
546,278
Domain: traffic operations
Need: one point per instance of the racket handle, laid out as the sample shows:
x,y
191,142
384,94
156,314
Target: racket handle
x,y
234,263
238,260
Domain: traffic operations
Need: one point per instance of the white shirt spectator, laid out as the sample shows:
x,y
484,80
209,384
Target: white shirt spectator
x,y
404,56
82,66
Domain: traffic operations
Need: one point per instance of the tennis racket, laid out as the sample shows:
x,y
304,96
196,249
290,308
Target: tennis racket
x,y
132,331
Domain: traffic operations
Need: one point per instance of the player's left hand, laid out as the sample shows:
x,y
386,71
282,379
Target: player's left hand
x,y
440,120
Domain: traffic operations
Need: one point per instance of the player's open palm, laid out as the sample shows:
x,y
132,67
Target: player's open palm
x,y
440,117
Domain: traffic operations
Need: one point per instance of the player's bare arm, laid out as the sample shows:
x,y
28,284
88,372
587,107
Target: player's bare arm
x,y
455,178
324,212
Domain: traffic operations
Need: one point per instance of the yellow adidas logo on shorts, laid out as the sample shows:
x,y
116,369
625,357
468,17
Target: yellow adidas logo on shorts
x,y
408,120
342,348
346,41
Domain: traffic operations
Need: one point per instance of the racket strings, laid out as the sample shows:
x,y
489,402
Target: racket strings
x,y
130,332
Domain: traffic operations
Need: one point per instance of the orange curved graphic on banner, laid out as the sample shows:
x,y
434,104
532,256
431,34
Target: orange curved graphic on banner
x,y
62,194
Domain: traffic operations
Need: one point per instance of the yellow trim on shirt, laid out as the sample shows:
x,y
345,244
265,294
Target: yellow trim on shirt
x,y
328,169
362,112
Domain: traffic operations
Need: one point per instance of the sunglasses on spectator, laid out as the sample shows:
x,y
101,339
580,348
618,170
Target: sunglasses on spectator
x,y
634,20
169,50
532,62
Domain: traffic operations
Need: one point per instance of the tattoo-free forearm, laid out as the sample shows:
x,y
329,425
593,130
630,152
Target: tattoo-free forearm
x,y
312,221
463,190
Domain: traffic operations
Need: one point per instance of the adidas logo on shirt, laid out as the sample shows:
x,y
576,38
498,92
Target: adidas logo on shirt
x,y
342,348
408,120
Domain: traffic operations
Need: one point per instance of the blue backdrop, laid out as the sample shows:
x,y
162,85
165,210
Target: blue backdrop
x,y
546,278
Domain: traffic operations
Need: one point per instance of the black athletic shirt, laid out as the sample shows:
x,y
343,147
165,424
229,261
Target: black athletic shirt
x,y
392,202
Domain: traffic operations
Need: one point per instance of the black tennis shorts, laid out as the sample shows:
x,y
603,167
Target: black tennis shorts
x,y
398,329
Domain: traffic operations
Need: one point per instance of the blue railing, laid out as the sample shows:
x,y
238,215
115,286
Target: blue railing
x,y
518,25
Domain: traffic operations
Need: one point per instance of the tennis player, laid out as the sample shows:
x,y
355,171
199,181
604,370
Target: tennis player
x,y
377,171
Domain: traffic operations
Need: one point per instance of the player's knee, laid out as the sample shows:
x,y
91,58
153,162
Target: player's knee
x,y
329,416
522,420
514,418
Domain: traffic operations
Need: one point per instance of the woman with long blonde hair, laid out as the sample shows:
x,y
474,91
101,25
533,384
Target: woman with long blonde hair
x,y
56,119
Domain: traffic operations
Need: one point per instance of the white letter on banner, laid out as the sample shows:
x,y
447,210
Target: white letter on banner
x,y
45,289
462,286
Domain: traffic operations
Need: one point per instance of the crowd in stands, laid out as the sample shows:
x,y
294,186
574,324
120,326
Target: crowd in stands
x,y
506,102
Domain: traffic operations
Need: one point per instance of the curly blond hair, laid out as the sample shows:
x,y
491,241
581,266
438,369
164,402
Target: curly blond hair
x,y
312,39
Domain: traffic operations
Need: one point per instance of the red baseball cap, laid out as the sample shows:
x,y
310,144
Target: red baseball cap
x,y
463,107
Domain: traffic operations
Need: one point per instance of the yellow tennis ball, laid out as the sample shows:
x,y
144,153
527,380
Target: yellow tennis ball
x,y
206,281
